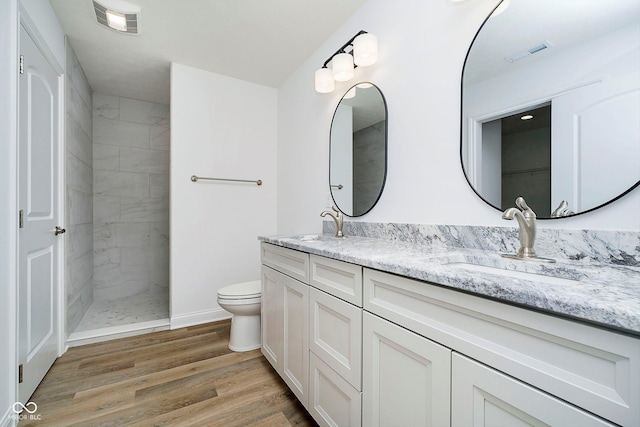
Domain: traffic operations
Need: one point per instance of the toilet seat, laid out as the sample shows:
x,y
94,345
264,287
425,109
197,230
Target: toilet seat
x,y
241,291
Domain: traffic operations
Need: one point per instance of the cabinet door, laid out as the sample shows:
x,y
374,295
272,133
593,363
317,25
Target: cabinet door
x,y
335,334
272,317
481,396
332,400
295,363
406,378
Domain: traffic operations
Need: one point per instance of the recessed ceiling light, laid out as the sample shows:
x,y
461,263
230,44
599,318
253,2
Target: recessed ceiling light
x,y
526,117
116,20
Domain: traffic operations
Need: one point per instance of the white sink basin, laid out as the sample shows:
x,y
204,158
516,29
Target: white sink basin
x,y
524,275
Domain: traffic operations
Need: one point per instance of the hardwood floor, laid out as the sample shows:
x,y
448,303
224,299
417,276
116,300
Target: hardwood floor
x,y
182,377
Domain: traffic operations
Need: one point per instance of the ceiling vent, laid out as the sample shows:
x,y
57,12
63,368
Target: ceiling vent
x,y
118,15
528,52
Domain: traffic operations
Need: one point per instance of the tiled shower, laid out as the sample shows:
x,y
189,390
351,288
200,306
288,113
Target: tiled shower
x,y
117,208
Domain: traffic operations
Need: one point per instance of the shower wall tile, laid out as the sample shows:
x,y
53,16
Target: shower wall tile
x,y
80,174
137,160
124,184
131,197
80,206
158,185
120,235
148,209
106,157
79,191
106,106
78,142
135,111
114,132
135,259
106,209
79,240
160,137
79,110
106,261
121,286
80,273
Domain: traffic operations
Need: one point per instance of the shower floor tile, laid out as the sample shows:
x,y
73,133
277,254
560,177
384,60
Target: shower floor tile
x,y
143,307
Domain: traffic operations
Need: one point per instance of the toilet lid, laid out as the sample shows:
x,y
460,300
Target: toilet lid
x,y
241,290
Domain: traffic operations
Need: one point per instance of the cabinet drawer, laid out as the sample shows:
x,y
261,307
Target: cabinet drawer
x,y
481,396
332,400
337,278
288,261
592,368
335,335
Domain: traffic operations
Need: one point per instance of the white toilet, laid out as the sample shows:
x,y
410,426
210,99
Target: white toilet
x,y
243,301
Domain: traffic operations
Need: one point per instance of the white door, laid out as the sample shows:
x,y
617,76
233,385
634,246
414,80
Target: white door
x,y
38,278
595,149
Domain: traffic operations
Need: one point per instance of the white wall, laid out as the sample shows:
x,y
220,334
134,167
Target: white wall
x,y
422,48
220,127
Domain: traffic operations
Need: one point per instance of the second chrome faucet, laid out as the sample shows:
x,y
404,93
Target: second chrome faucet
x,y
338,218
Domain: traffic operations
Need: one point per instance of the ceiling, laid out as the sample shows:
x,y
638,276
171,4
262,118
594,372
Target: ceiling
x,y
260,41
527,23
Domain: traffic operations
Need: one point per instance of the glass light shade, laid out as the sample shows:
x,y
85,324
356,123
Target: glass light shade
x,y
342,65
116,20
350,94
324,80
365,50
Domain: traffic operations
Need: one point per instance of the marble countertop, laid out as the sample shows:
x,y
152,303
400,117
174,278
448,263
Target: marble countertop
x,y
604,294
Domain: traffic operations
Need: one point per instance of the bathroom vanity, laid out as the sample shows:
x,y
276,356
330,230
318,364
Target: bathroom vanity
x,y
378,333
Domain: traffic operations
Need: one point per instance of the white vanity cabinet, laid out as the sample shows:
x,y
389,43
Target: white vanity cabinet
x,y
363,347
481,396
509,362
405,377
335,342
285,315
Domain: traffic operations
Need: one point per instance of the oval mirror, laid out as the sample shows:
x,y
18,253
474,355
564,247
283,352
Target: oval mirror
x,y
358,150
551,105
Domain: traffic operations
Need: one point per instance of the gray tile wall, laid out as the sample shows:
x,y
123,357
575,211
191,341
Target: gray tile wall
x,y
130,196
79,191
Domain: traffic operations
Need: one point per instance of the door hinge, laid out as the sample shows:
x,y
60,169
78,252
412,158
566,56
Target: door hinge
x,y
20,377
21,67
21,219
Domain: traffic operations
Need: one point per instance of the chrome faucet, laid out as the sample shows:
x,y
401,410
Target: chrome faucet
x,y
562,210
338,218
526,218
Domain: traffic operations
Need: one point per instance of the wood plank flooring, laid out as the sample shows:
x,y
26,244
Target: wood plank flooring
x,y
183,377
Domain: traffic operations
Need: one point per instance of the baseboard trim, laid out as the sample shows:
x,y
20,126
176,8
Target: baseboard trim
x,y
9,419
199,317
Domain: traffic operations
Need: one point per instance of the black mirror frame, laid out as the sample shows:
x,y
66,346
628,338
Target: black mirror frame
x,y
386,149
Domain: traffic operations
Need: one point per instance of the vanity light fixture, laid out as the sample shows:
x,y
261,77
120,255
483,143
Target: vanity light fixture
x,y
360,51
118,15
526,117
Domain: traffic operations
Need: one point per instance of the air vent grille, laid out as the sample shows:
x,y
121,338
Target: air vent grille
x,y
527,52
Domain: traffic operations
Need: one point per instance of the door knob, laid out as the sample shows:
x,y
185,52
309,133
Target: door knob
x,y
59,230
